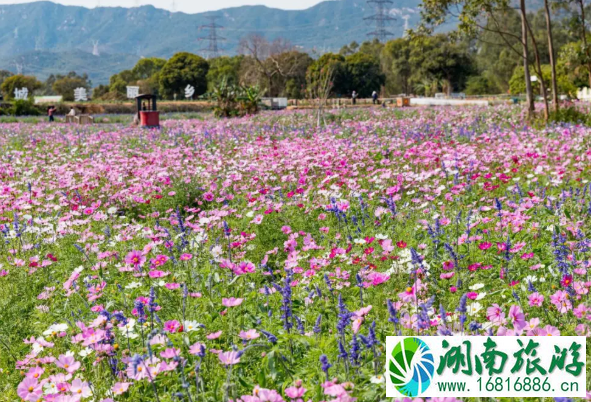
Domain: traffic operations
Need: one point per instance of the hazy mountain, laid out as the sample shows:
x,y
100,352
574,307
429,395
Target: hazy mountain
x,y
45,38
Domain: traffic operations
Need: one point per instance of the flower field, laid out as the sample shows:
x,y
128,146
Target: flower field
x,y
265,259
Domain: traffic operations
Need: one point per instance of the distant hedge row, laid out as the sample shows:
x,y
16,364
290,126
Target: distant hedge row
x,y
28,108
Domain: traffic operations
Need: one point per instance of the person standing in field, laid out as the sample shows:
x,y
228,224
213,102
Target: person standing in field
x,y
354,97
374,97
50,113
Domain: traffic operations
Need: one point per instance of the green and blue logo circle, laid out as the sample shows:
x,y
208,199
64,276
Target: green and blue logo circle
x,y
411,367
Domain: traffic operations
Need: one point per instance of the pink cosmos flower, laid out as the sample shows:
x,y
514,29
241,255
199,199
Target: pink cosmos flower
x,y
209,197
286,229
561,300
517,317
229,358
120,388
214,335
232,302
185,257
30,390
447,275
172,326
448,265
548,330
484,245
244,267
536,299
377,278
249,335
257,219
68,363
495,314
295,392
170,353
580,310
197,349
135,258
80,388
408,295
157,274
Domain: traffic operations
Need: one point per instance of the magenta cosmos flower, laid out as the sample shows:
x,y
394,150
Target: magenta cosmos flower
x,y
135,258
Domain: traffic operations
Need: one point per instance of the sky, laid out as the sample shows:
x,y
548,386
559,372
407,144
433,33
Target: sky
x,y
188,6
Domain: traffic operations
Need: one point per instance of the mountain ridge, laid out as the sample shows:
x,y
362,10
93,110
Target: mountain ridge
x,y
34,33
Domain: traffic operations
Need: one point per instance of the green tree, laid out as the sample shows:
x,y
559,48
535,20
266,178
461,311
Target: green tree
x,y
444,58
65,87
340,76
349,49
364,74
4,74
147,67
100,91
181,70
224,67
118,85
19,81
479,85
396,66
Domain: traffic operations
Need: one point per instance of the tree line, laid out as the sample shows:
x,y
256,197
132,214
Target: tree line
x,y
497,49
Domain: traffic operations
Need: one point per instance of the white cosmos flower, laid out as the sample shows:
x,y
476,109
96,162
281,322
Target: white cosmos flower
x,y
191,326
129,326
474,308
133,285
477,286
85,352
377,379
217,251
50,388
56,328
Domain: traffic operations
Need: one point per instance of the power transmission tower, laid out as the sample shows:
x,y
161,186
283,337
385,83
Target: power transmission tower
x,y
212,49
95,48
20,66
173,6
381,18
406,18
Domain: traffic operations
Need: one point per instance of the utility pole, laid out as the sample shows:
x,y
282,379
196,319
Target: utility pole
x,y
212,38
381,18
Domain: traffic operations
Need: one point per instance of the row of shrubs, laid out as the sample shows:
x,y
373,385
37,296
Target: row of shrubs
x,y
28,108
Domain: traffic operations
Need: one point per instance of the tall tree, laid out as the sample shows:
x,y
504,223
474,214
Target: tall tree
x,y
472,12
181,70
528,87
18,82
364,74
551,53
